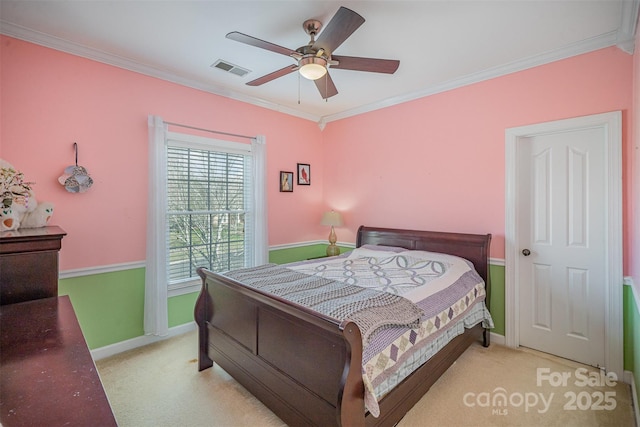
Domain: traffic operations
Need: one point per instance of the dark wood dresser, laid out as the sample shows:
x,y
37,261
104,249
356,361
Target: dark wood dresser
x,y
47,374
29,263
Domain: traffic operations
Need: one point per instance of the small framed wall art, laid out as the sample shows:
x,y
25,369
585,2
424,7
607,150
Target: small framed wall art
x,y
304,174
286,181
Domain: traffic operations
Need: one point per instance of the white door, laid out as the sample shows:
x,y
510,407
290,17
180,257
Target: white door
x,y
562,231
563,240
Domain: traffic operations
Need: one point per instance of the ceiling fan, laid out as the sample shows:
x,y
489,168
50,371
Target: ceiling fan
x,y
314,58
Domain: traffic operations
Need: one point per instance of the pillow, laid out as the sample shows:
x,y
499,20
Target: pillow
x,y
376,251
383,248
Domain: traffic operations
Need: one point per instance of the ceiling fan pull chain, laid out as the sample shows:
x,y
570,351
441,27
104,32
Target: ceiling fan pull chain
x,y
298,88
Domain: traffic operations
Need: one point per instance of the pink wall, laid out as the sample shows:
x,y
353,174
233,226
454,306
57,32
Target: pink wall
x,y
433,163
438,162
51,99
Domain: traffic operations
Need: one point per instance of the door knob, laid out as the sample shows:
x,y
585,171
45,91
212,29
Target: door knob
x,y
526,252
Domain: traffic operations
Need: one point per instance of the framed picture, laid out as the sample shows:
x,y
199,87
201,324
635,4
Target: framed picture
x,y
304,174
286,181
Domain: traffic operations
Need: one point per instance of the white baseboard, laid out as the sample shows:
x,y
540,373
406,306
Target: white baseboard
x,y
496,338
630,379
122,346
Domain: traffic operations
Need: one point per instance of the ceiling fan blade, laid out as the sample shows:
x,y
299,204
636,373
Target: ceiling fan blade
x,y
326,86
373,65
341,26
272,76
252,41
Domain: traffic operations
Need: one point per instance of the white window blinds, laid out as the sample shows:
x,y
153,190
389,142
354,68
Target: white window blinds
x,y
209,208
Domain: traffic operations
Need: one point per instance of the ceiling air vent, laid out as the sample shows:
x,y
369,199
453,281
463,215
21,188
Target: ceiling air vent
x,y
230,68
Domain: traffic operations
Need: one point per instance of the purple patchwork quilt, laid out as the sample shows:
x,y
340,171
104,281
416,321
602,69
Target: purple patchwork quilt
x,y
447,288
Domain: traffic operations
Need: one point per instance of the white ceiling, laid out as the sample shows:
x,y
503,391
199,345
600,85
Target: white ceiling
x,y
440,44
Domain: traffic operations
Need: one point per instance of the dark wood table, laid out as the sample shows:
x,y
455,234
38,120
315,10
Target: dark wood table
x,y
47,375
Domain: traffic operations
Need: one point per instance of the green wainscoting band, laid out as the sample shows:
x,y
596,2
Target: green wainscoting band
x,y
109,306
181,309
496,303
631,325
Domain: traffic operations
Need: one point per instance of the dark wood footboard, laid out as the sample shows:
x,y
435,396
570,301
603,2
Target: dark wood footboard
x,y
306,367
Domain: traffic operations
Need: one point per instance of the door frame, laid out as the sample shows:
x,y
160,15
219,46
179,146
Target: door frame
x,y
611,123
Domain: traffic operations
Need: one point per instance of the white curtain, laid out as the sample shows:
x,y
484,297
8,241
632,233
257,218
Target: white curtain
x,y
261,244
156,318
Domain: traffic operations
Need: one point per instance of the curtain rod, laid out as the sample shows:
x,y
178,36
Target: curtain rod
x,y
210,131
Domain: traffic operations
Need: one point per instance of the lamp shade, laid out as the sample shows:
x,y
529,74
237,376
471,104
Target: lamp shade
x,y
312,67
332,218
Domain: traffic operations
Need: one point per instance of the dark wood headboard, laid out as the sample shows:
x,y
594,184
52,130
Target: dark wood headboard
x,y
473,247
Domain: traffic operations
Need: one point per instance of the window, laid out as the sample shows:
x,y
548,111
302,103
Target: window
x,y
209,197
206,208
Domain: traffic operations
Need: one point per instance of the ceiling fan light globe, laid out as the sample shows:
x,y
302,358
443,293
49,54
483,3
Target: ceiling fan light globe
x,y
313,67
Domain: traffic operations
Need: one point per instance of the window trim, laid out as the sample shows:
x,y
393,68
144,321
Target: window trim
x,y
156,296
185,140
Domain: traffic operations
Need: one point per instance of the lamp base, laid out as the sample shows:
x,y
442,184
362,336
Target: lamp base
x,y
333,250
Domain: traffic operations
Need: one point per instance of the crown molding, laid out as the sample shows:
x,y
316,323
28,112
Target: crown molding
x,y
584,46
628,26
623,38
46,40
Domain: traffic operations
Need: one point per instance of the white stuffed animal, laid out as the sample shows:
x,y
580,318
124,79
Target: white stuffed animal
x,y
8,220
39,217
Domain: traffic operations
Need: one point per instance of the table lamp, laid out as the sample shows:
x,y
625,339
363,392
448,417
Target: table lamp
x,y
334,219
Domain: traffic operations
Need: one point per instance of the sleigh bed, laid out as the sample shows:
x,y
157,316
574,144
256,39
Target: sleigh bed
x,y
307,366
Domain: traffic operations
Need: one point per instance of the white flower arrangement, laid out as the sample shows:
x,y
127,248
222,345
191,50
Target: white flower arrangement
x,y
13,187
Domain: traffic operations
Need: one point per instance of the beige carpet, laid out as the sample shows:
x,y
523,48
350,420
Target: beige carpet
x,y
159,385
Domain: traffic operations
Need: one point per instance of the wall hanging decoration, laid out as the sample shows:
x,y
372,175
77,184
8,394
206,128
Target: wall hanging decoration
x,y
286,182
304,174
75,178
